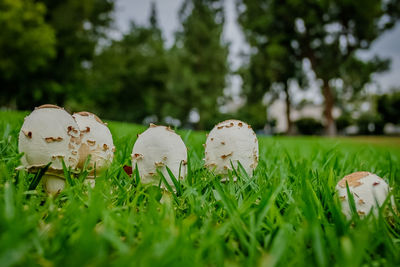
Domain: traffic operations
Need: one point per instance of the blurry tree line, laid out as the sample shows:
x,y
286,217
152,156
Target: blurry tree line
x,y
54,51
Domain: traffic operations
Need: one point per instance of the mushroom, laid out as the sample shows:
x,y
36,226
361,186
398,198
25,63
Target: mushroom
x,y
367,189
49,134
96,140
155,148
231,141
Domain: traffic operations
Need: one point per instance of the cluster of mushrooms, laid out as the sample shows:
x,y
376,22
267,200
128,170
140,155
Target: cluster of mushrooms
x,y
50,134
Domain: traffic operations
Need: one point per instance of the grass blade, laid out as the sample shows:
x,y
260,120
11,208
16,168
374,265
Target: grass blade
x,y
38,176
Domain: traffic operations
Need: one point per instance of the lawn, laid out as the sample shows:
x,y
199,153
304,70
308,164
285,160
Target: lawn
x,y
288,214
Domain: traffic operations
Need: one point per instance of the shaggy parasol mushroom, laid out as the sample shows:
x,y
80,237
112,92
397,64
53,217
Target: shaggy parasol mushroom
x,y
368,190
231,141
49,134
155,148
96,140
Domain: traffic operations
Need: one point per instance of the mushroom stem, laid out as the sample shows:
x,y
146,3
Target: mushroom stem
x,y
53,184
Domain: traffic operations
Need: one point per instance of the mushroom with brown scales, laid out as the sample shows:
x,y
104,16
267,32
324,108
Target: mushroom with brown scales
x,y
48,134
155,148
369,192
231,141
96,141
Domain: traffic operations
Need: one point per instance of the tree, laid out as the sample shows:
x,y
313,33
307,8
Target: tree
x,y
254,86
47,46
330,33
203,58
79,25
274,62
131,75
27,44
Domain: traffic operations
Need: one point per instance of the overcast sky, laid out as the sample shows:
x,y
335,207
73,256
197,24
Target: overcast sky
x,y
388,45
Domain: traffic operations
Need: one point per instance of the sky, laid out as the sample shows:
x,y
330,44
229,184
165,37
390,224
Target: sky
x,y
388,45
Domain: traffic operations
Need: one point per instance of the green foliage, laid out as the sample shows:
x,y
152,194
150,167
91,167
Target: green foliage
x,y
273,61
388,106
78,25
309,126
355,74
203,59
27,43
44,47
286,215
131,75
255,114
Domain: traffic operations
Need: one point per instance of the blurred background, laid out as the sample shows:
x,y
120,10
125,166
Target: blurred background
x,y
284,66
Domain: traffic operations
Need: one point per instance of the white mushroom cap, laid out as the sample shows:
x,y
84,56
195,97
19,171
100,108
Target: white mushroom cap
x,y
96,140
155,148
367,189
49,134
231,141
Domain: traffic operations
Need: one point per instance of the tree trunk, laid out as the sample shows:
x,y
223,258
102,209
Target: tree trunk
x,y
290,129
330,126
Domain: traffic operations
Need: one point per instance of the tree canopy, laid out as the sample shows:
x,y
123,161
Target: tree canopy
x,y
62,52
326,33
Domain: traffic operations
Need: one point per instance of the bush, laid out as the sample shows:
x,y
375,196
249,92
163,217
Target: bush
x,y
343,122
388,106
309,126
370,124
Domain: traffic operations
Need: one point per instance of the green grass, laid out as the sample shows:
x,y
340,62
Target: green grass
x,y
287,215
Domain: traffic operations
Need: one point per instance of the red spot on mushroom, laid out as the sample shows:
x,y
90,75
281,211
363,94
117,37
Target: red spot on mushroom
x,y
376,183
128,170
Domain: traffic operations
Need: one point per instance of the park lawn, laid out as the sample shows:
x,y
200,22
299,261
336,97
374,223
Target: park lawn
x,y
286,215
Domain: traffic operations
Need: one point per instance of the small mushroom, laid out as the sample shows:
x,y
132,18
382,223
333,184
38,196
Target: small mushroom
x,y
155,148
367,189
95,140
45,137
230,141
